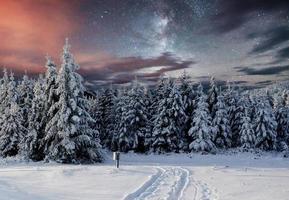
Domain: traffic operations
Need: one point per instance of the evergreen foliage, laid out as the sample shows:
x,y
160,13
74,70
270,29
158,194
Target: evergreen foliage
x,y
265,126
221,126
51,118
201,127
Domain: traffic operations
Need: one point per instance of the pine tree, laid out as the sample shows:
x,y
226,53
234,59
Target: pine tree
x,y
25,91
11,132
247,135
4,98
168,123
121,139
235,112
201,130
137,117
148,101
282,119
50,88
94,112
32,143
106,104
221,126
187,94
69,138
265,126
269,98
212,96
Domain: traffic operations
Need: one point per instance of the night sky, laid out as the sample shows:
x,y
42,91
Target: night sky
x,y
114,41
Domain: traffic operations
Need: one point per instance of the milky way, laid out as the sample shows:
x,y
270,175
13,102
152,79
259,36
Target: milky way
x,y
114,41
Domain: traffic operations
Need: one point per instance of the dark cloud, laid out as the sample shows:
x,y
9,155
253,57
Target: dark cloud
x,y
273,70
271,39
283,54
128,68
264,83
234,13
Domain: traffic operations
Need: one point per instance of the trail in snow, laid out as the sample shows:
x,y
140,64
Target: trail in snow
x,y
203,191
168,184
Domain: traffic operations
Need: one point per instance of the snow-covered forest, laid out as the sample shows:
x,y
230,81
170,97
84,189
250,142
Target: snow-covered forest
x,y
51,118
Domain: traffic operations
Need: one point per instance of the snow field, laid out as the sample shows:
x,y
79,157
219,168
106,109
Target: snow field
x,y
150,177
168,183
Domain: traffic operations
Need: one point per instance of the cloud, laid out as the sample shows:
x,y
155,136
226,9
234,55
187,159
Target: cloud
x,y
273,70
234,13
116,70
283,54
270,39
30,29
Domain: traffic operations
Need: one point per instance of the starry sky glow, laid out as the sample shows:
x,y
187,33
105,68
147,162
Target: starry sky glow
x,y
114,41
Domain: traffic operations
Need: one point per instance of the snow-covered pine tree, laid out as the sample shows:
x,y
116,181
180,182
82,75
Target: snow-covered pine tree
x,y
106,104
4,99
161,88
201,127
50,88
187,94
243,103
270,98
32,146
94,112
168,123
137,117
247,134
282,119
221,125
265,126
11,132
235,112
25,96
148,101
198,92
212,96
157,94
69,138
121,139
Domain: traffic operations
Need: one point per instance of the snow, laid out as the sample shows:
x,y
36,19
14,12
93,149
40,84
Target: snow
x,y
170,176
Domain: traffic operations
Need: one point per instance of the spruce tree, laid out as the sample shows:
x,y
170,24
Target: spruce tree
x,y
4,98
106,104
137,117
212,96
247,134
32,143
148,101
50,88
201,127
282,119
25,96
94,112
121,139
221,125
12,131
187,94
69,138
265,126
235,112
168,122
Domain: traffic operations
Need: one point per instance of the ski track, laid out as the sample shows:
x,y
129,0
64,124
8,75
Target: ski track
x,y
168,183
203,191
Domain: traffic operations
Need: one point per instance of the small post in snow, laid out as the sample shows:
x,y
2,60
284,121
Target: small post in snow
x,y
116,157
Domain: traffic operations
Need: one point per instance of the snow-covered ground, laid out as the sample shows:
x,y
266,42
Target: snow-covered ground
x,y
176,176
